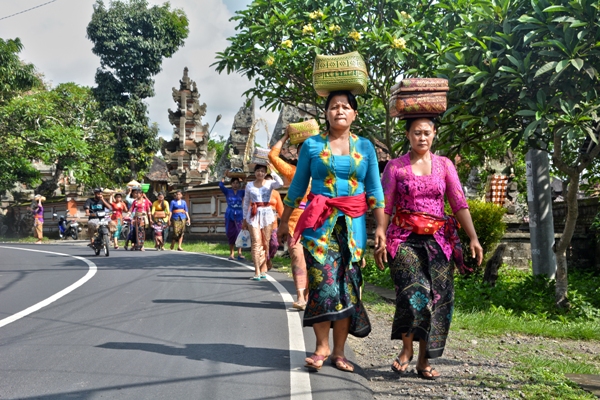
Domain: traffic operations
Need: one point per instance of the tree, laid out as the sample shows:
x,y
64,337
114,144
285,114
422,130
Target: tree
x,y
277,41
15,75
132,39
525,71
58,127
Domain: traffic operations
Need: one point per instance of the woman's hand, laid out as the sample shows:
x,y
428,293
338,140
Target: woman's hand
x,y
283,232
380,248
244,225
476,250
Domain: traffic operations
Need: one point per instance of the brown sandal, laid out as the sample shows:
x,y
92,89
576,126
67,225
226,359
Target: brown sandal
x,y
342,364
316,358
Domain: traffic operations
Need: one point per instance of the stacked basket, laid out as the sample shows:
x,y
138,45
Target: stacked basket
x,y
418,98
260,156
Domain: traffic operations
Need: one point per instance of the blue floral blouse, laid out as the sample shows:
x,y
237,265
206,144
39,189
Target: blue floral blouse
x,y
335,176
234,200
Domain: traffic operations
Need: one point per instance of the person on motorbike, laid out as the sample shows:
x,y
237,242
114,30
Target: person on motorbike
x,y
91,207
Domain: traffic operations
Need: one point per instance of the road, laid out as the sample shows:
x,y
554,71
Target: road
x,y
152,325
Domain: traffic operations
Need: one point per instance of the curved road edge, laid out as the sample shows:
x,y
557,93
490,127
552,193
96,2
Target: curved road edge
x,y
89,275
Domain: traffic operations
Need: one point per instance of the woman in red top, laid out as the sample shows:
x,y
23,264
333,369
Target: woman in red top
x,y
118,207
140,211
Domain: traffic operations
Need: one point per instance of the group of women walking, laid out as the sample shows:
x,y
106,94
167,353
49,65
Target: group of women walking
x,y
339,183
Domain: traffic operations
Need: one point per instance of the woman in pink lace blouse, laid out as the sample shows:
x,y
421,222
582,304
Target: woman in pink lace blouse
x,y
422,243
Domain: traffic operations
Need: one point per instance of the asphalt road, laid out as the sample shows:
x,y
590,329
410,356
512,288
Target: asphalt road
x,y
152,325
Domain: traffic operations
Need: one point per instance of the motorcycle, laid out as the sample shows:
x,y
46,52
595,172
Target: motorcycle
x,y
102,238
67,228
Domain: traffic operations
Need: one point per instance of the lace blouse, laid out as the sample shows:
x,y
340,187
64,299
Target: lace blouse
x,y
264,215
405,190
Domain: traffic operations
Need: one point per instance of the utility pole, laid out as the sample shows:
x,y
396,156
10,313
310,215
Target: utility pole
x,y
541,222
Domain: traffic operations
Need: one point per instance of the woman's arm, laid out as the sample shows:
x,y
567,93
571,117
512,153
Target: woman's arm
x,y
246,202
277,181
301,180
222,187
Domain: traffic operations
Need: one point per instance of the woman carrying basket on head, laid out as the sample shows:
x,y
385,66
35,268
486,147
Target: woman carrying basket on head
x,y
140,213
259,217
234,214
423,245
160,211
345,184
179,218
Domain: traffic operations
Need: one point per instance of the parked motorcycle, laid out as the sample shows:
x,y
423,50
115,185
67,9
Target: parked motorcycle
x,y
67,228
102,238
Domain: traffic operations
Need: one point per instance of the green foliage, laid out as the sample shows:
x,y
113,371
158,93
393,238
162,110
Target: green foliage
x,y
487,219
15,75
58,127
132,39
373,275
277,41
218,146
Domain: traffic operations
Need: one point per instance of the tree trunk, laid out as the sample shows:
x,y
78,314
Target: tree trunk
x,y
562,281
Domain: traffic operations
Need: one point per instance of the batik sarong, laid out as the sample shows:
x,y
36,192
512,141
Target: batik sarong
x,y
232,230
334,286
424,281
178,228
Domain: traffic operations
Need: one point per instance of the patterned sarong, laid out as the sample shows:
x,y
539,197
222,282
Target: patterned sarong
x,y
178,228
334,287
424,281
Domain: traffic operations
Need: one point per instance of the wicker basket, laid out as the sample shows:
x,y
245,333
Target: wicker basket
x,y
300,131
260,156
417,105
340,72
235,173
419,85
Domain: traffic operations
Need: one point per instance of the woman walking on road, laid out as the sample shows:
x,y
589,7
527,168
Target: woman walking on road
x,y
179,218
118,207
259,217
38,215
421,240
160,212
345,184
296,250
234,214
140,212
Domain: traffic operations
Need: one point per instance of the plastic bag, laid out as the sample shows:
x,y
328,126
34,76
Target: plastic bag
x,y
243,239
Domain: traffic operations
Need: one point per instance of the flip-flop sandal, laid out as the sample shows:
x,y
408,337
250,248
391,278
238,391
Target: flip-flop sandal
x,y
240,258
337,362
316,358
421,373
231,258
398,370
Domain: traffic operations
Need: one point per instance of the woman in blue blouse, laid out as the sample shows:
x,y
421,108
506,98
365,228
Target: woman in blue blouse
x,y
345,184
234,213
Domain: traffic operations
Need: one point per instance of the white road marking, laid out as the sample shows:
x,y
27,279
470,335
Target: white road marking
x,y
300,388
91,272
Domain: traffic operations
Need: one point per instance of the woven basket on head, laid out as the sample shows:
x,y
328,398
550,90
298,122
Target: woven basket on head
x,y
418,97
300,131
340,72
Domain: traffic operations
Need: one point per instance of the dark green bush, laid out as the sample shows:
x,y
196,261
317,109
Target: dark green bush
x,y
487,219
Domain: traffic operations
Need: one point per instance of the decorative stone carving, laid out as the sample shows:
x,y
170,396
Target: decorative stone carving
x,y
186,154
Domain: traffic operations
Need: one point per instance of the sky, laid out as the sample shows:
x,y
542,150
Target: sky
x,y
54,40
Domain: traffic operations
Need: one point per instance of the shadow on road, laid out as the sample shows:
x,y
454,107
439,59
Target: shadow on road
x,y
263,304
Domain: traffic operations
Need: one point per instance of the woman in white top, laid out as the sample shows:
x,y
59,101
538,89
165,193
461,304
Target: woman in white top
x,y
259,217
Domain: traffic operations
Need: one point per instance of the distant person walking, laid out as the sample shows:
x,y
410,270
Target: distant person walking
x,y
234,214
180,217
160,211
118,207
259,217
38,215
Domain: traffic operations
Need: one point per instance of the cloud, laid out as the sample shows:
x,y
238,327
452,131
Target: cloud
x,y
54,37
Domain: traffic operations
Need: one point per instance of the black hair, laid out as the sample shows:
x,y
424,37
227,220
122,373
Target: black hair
x,y
235,179
410,121
258,166
160,194
351,100
178,191
268,176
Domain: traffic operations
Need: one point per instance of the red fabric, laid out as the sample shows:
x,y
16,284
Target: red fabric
x,y
418,222
254,207
321,207
118,209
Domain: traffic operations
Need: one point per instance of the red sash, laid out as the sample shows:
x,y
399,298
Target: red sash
x,y
418,222
321,207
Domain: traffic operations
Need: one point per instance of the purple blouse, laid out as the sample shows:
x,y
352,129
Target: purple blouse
x,y
405,190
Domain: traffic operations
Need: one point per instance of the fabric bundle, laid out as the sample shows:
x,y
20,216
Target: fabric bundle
x,y
418,97
340,72
260,156
300,131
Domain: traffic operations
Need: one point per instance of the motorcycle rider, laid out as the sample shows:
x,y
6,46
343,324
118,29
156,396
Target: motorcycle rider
x,y
91,207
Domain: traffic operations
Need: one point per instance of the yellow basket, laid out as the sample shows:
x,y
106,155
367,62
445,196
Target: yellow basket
x,y
340,72
300,131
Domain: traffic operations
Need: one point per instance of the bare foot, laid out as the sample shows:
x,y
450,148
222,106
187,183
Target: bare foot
x,y
401,363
